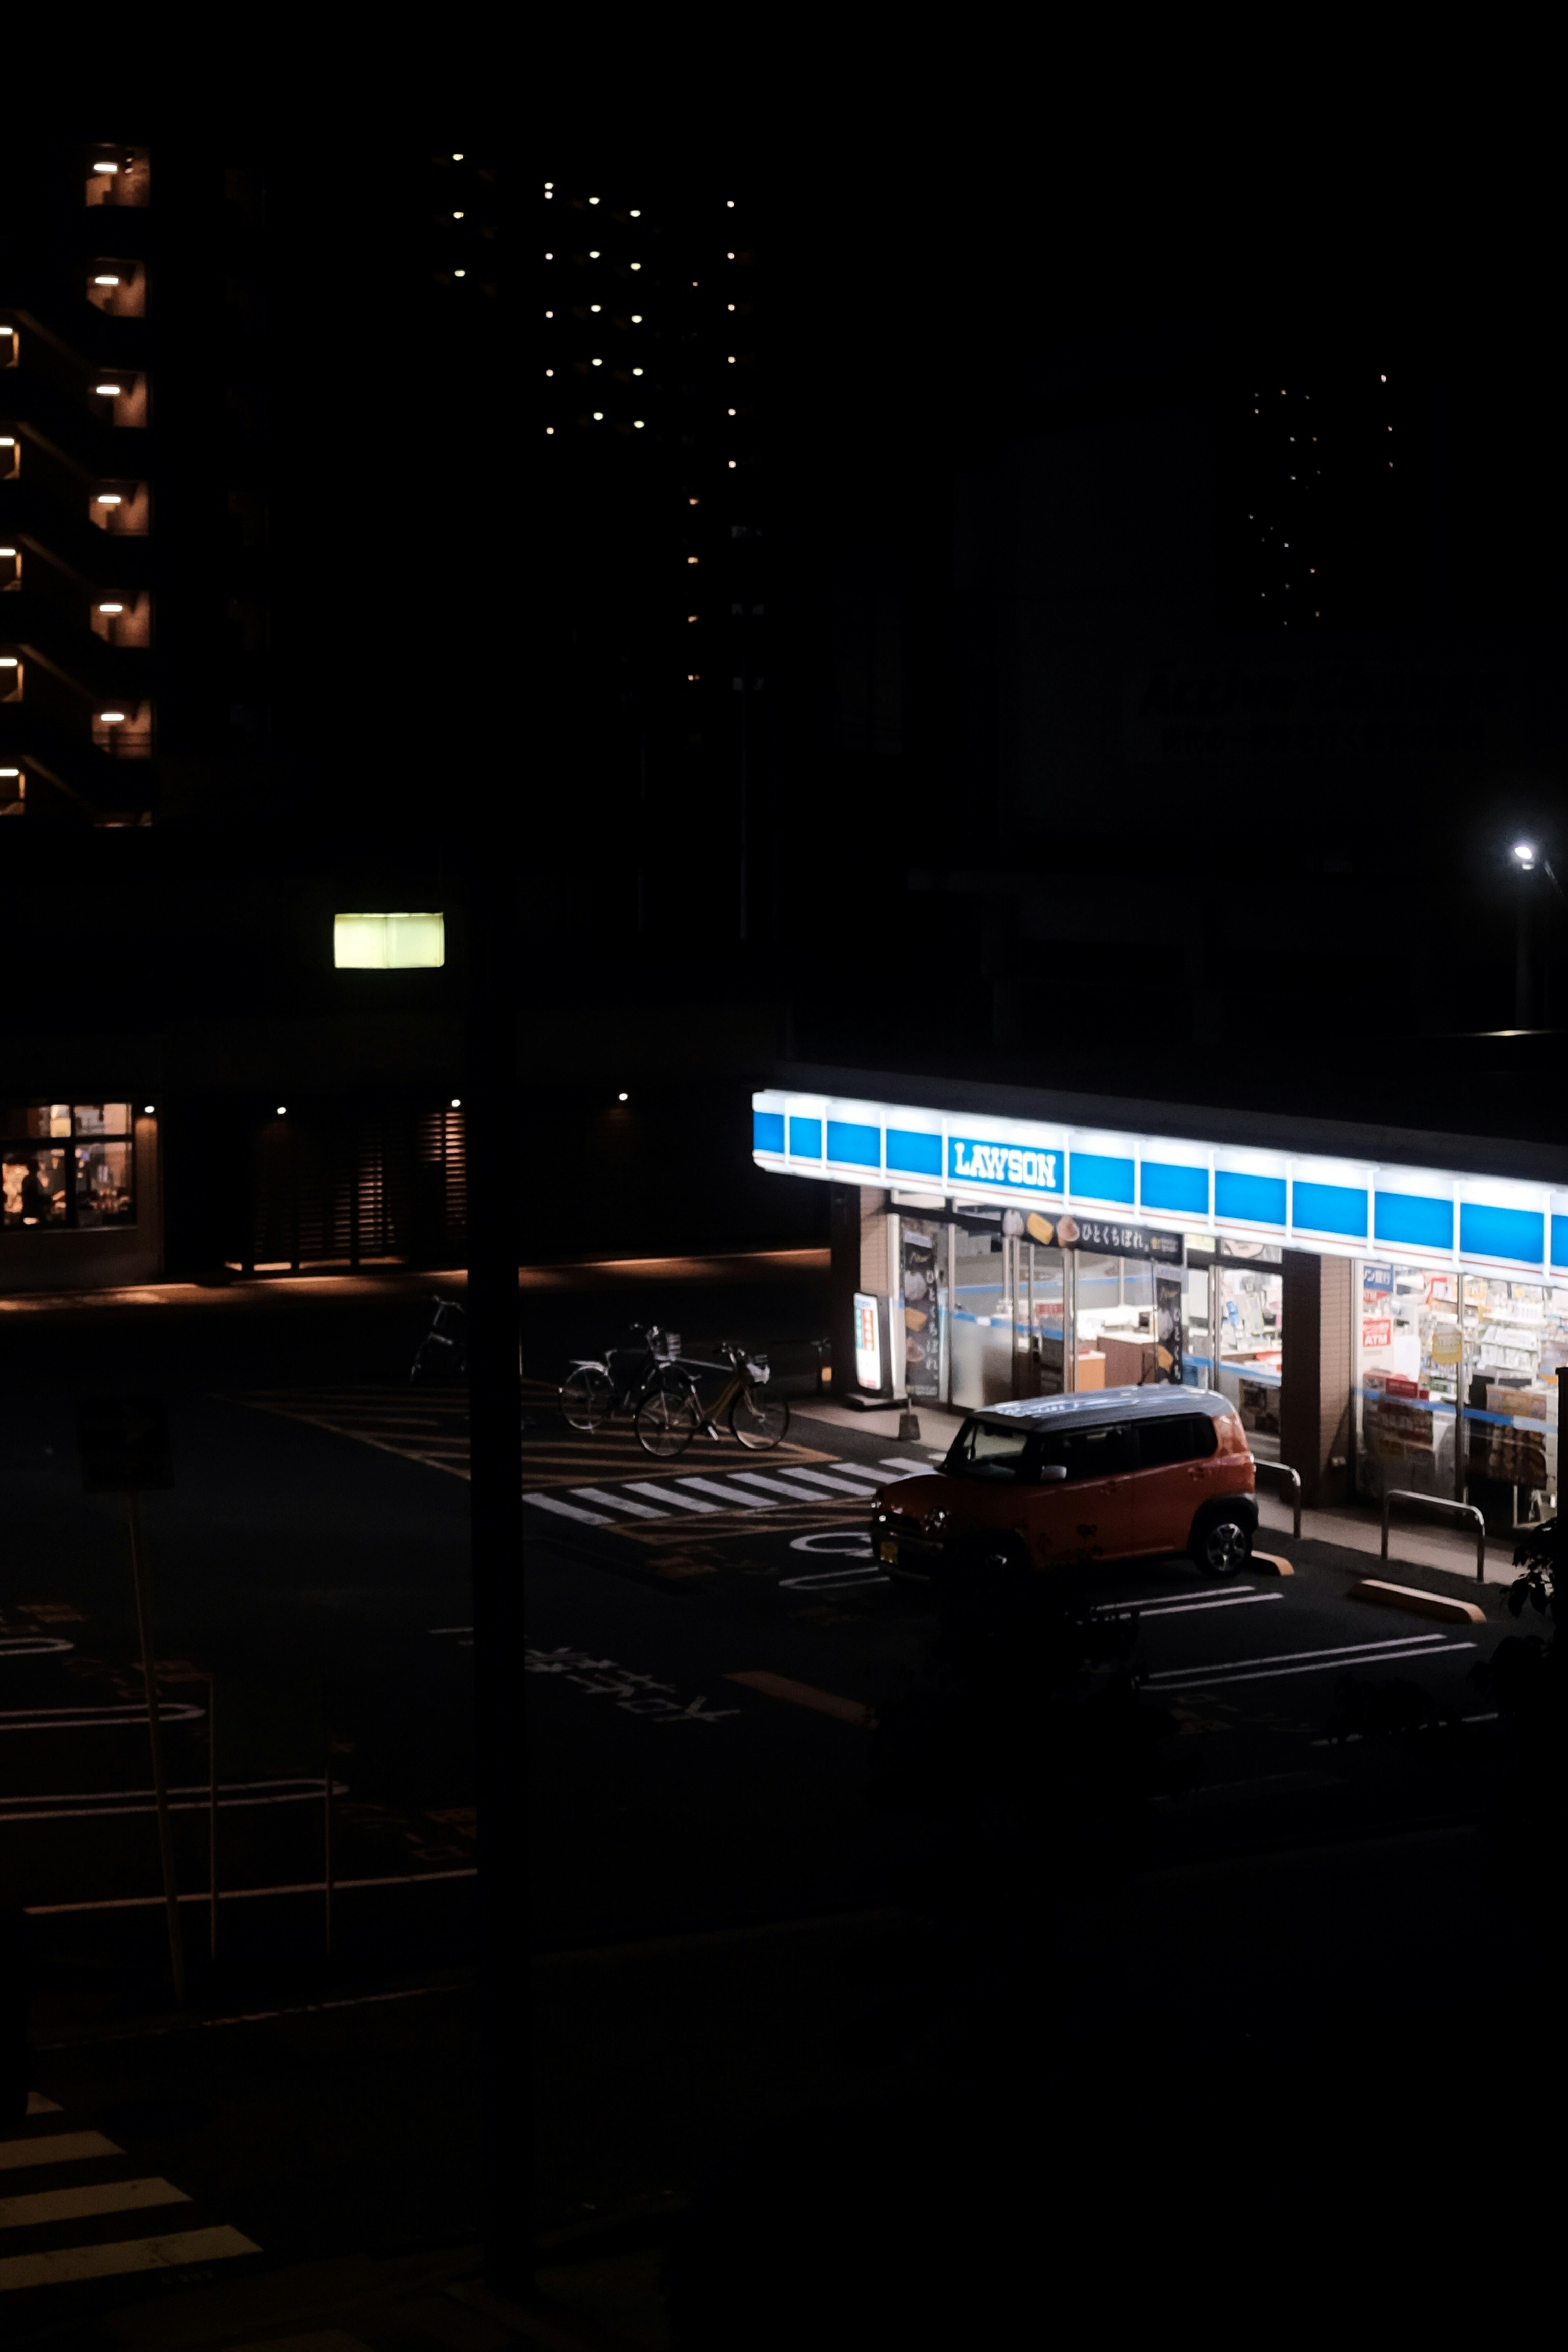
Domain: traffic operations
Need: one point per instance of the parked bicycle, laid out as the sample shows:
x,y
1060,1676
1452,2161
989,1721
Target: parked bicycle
x,y
443,1352
671,1411
617,1382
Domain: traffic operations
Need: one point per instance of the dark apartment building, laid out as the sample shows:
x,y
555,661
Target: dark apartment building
x,y
1182,684
224,437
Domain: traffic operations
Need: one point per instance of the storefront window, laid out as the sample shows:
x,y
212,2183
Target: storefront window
x,y
1424,1341
1249,1316
85,1182
103,1184
35,1183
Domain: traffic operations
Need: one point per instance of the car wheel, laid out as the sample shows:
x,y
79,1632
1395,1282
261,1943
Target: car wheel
x,y
1222,1543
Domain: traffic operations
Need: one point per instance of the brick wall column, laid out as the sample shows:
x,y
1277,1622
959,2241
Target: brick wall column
x,y
1315,1374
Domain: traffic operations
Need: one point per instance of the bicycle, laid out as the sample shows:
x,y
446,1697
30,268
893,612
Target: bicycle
x,y
597,1387
671,1410
444,1346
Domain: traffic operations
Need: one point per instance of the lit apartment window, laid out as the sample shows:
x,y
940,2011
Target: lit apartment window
x,y
118,288
10,567
12,671
118,175
118,395
66,1164
120,508
124,620
10,456
12,792
9,341
124,730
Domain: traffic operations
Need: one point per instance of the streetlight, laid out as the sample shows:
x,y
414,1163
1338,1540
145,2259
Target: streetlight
x,y
1529,858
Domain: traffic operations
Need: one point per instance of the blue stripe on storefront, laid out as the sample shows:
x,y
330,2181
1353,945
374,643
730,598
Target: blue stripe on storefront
x,y
853,1145
1185,1190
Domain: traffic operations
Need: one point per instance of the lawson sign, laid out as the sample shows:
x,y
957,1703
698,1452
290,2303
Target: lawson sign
x,y
1021,1170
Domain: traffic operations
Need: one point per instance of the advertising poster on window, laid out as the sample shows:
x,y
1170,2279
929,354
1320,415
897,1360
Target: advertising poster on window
x,y
868,1343
1168,1328
922,1312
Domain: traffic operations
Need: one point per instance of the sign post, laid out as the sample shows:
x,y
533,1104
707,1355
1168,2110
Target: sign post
x,y
125,1450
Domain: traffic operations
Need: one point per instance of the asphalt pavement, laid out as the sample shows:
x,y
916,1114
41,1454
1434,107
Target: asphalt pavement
x,y
742,1950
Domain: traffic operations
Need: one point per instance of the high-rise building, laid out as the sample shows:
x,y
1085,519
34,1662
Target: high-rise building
x,y
656,537
133,481
231,423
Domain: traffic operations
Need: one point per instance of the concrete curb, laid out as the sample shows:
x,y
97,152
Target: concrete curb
x,y
1418,1604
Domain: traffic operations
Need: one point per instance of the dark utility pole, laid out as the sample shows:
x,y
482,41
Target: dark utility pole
x,y
490,1097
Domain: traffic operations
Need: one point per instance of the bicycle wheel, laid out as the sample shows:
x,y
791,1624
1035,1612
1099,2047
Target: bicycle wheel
x,y
666,1421
758,1420
587,1398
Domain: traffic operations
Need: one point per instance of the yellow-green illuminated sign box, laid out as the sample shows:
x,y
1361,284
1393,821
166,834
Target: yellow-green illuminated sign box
x,y
388,943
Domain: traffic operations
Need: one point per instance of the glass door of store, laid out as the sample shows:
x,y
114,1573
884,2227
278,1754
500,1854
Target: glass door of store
x,y
1245,1318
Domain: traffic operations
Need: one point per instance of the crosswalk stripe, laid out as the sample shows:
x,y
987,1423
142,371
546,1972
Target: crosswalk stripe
x,y
906,1469
820,1478
618,1502
668,1495
777,1485
865,1470
67,2263
77,2204
568,1510
55,2147
727,1495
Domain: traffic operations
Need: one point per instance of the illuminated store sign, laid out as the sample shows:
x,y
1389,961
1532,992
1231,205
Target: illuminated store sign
x,y
1001,1163
1343,1207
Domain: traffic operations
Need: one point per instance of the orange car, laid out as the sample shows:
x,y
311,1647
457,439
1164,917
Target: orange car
x,y
1064,1481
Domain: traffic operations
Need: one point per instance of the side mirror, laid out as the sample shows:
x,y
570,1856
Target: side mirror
x,y
1051,1473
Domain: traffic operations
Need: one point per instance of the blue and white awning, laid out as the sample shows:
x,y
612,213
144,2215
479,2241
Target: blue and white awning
x,y
1349,1207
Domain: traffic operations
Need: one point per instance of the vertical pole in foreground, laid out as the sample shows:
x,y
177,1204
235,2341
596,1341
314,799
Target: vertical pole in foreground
x,y
327,1843
212,1816
155,1735
495,1503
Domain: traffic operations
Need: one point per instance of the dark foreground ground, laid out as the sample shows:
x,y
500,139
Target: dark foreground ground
x,y
811,2059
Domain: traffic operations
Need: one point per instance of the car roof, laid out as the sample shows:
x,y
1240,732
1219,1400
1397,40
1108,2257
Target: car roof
x,y
1156,1402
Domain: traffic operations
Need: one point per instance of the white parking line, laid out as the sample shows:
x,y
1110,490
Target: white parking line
x,y
1283,1657
1208,1680
614,1500
1186,1608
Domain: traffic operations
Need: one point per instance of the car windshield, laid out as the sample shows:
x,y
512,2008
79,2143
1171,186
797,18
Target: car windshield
x,y
989,1449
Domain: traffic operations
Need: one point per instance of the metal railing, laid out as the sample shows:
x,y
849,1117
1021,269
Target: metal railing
x,y
1283,1470
1439,1503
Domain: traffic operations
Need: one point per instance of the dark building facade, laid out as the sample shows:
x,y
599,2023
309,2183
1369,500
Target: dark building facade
x,y
213,738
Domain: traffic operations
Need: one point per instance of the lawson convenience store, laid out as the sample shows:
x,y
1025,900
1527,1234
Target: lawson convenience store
x,y
1380,1314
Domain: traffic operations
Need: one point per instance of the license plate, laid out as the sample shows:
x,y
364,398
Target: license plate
x,y
888,1550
